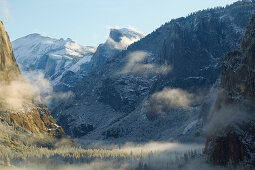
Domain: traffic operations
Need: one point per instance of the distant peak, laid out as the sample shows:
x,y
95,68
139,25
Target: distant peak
x,y
125,30
34,35
39,37
117,33
69,40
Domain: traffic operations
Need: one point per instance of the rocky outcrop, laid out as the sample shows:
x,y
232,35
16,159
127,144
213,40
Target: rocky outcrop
x,y
233,141
20,104
8,65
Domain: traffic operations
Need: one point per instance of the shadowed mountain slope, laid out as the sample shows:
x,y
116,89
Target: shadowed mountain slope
x,y
131,96
232,125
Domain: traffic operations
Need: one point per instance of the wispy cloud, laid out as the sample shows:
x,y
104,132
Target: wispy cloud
x,y
16,94
20,92
160,103
4,10
41,84
174,97
136,64
225,116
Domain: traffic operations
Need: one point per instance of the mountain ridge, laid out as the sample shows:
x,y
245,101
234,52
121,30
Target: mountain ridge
x,y
120,91
64,63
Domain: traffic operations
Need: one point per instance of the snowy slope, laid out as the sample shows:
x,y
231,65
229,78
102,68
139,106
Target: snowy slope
x,y
51,56
122,38
64,62
44,60
118,40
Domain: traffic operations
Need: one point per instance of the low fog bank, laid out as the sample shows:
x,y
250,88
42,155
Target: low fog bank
x,y
162,161
153,155
130,156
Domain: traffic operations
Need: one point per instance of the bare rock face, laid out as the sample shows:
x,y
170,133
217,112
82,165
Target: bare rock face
x,y
19,105
232,145
233,142
8,65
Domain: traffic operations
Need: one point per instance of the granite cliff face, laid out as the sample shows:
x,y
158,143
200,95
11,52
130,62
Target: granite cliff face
x,y
20,105
233,141
184,55
8,66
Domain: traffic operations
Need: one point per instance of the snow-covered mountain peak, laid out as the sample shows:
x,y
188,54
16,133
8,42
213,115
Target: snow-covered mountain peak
x,y
52,57
36,39
30,49
33,35
117,34
121,38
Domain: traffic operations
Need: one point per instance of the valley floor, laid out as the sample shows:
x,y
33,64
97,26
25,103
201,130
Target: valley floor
x,y
149,156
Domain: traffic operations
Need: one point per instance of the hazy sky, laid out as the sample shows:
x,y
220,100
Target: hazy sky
x,y
87,21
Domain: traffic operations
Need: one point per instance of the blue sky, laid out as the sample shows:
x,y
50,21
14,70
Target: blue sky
x,y
88,21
